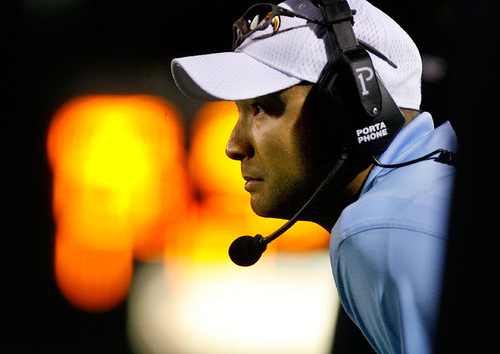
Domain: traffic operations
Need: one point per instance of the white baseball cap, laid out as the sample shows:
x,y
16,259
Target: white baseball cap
x,y
265,63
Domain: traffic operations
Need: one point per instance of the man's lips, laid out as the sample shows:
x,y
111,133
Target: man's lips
x,y
252,183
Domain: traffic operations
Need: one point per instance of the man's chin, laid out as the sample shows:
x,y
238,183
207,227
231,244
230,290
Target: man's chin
x,y
272,211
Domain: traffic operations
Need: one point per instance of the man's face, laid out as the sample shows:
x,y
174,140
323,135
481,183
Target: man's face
x,y
275,143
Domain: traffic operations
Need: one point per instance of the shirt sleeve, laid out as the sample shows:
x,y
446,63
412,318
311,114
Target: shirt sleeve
x,y
389,282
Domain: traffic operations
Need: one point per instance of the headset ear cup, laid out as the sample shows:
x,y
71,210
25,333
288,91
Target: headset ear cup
x,y
337,88
338,85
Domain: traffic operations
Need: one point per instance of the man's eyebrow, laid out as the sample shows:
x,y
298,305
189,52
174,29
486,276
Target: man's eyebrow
x,y
270,96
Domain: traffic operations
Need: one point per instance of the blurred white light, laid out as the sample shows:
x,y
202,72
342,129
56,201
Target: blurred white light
x,y
287,304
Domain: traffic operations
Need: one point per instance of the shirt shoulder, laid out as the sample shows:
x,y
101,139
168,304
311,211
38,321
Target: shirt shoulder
x,y
414,198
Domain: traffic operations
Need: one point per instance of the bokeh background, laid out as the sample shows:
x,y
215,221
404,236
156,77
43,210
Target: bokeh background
x,y
116,223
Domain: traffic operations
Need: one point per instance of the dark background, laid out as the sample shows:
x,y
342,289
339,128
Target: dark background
x,y
56,50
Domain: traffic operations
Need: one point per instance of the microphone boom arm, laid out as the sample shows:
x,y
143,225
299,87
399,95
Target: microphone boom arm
x,y
321,188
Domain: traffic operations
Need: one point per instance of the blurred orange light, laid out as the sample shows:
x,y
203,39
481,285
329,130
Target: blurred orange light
x,y
92,279
119,187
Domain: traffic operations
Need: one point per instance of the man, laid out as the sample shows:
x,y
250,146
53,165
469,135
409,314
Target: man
x,y
387,216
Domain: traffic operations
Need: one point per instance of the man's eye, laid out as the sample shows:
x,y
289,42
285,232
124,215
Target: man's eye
x,y
258,108
271,107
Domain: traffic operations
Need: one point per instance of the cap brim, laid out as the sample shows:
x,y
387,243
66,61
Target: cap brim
x,y
229,76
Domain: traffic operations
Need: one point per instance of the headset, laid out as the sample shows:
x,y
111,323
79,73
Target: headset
x,y
374,118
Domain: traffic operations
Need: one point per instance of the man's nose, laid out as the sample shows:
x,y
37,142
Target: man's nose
x,y
239,145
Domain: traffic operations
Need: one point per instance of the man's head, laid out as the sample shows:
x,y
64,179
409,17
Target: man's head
x,y
286,138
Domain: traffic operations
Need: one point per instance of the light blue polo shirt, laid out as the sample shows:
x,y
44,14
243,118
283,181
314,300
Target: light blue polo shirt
x,y
388,248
